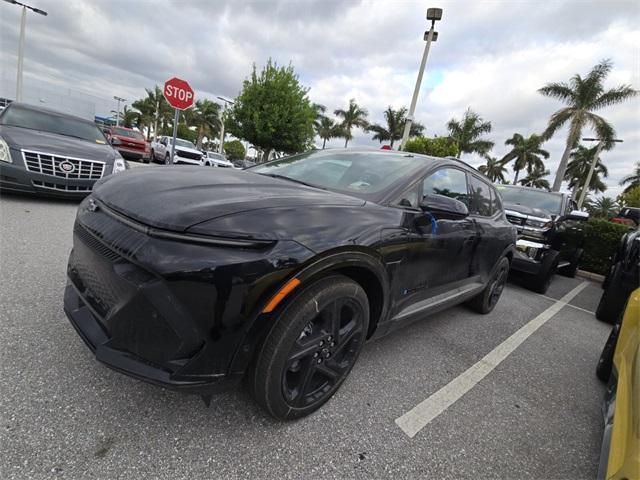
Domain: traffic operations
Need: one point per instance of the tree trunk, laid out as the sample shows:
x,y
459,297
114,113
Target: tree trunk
x,y
346,141
515,179
265,154
324,141
562,168
391,144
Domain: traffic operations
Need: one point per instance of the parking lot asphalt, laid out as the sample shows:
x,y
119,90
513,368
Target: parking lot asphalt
x,y
63,415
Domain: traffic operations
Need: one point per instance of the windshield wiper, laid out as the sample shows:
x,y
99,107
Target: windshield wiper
x,y
283,177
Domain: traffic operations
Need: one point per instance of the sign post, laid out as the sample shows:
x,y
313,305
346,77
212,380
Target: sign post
x,y
179,95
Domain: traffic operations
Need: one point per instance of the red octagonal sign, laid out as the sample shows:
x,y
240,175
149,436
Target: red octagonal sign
x,y
178,93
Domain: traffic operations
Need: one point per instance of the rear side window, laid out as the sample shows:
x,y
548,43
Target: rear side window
x,y
449,182
480,201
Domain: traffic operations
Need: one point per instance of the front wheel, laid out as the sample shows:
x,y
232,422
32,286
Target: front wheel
x,y
571,270
488,298
540,283
167,161
311,349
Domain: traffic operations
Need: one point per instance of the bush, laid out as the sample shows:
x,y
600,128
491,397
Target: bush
x,y
631,198
602,239
234,150
436,147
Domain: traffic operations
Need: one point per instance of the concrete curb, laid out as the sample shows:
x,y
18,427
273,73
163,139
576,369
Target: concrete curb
x,y
591,276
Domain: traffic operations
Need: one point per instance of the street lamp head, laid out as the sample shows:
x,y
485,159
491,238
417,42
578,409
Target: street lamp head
x,y
433,38
434,14
41,12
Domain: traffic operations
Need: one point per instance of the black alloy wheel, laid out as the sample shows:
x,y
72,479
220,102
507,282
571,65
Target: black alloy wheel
x,y
312,348
488,298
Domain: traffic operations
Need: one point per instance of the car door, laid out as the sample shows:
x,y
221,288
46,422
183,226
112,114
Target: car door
x,y
439,251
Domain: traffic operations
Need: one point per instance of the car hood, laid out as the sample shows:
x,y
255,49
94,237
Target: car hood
x,y
177,198
24,138
124,139
528,211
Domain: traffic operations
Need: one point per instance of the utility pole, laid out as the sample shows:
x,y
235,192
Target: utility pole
x,y
433,14
118,99
594,162
226,102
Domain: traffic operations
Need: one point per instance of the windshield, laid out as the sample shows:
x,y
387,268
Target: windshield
x,y
551,202
216,156
184,143
123,132
16,116
362,172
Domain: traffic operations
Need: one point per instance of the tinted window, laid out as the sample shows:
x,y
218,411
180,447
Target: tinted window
x,y
123,132
480,201
367,172
449,182
496,202
50,122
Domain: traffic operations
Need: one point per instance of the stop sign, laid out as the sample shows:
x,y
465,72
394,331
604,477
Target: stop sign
x,y
178,93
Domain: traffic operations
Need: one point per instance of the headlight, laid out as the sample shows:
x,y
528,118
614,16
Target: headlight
x,y
115,141
5,155
538,223
119,165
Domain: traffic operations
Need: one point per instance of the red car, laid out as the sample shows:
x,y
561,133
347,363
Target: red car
x,y
129,143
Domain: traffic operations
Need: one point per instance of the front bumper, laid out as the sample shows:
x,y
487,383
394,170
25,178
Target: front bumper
x,y
15,178
133,153
528,256
191,161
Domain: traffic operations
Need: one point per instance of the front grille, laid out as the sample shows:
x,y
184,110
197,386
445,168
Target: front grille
x,y
192,156
62,188
519,221
49,164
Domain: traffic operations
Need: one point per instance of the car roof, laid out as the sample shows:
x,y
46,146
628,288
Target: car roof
x,y
50,111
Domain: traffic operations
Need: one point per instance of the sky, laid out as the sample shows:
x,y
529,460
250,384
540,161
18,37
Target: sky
x,y
491,56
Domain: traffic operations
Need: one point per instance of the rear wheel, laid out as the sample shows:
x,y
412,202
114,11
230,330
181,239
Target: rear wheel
x,y
488,298
152,156
542,280
311,349
605,363
613,297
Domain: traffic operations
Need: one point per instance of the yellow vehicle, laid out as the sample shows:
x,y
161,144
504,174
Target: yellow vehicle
x,y
619,365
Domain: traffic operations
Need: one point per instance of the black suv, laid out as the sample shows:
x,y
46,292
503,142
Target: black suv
x,y
279,273
622,279
47,152
550,233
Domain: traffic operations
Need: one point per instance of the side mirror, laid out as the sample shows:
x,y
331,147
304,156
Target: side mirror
x,y
577,215
444,207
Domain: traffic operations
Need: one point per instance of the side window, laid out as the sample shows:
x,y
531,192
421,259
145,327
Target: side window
x,y
480,203
571,205
449,182
410,197
496,201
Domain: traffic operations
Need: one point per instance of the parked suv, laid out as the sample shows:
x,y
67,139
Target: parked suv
x,y
130,143
280,273
47,152
215,159
185,151
550,233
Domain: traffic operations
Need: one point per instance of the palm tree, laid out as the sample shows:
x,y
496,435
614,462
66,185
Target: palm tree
x,y
494,169
353,116
128,117
526,152
147,114
327,129
206,119
468,133
578,170
395,126
603,207
583,96
535,179
319,110
633,180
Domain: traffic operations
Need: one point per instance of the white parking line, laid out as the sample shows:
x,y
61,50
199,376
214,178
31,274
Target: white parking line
x,y
419,417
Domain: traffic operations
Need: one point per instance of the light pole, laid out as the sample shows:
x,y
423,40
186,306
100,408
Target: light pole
x,y
118,99
433,14
594,162
226,101
23,24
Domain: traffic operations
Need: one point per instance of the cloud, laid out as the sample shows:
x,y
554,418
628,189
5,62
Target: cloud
x,y
490,55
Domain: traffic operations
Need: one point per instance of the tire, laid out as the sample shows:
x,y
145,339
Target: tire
x,y
605,363
311,349
488,298
572,269
152,157
540,283
166,160
613,297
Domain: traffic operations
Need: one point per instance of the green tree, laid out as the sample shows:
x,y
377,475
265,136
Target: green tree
x,y
353,116
583,96
436,147
273,111
632,181
526,153
603,207
327,129
395,126
468,133
535,179
234,150
578,170
128,117
206,119
494,169
147,114
630,197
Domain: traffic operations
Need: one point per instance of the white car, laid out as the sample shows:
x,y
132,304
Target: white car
x,y
185,151
214,159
